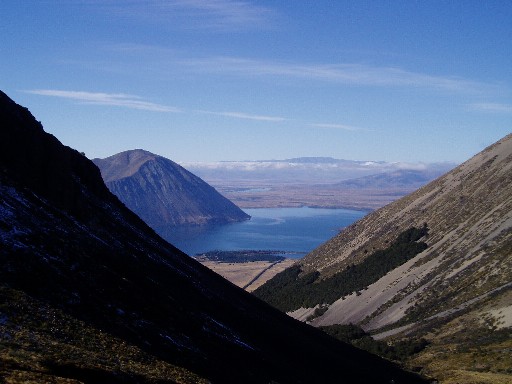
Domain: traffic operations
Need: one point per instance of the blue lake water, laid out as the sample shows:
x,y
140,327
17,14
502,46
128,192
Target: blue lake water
x,y
295,230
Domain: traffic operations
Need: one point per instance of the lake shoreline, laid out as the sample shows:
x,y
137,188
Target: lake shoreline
x,y
296,231
246,255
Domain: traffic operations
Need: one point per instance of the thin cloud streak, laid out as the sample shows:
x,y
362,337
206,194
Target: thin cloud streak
x,y
226,12
337,126
99,98
352,74
135,102
276,119
241,115
189,14
342,73
492,107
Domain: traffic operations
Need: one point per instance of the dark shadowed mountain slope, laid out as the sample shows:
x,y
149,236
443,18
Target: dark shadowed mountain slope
x,y
435,264
89,293
163,193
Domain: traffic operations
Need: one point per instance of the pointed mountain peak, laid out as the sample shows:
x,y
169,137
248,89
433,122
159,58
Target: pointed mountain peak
x,y
164,193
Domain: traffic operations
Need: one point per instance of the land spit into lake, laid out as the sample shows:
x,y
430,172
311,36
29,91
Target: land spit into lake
x,y
247,269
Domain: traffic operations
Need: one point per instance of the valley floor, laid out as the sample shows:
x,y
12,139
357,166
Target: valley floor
x,y
274,195
248,275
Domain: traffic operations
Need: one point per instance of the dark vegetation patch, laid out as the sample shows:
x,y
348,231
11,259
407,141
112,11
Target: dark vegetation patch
x,y
319,311
290,290
397,351
243,256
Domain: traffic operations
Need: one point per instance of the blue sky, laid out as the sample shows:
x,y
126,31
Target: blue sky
x,y
216,80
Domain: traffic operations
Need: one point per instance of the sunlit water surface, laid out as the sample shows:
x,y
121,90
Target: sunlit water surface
x,y
295,230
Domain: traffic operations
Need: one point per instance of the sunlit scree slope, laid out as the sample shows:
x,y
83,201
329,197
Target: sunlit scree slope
x,y
462,258
436,264
89,293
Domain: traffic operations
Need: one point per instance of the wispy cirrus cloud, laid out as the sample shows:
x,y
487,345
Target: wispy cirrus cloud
x,y
352,74
99,98
492,107
246,116
337,126
343,73
224,12
277,119
189,14
134,102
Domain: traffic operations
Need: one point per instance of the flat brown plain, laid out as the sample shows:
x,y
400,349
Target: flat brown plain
x,y
271,195
250,275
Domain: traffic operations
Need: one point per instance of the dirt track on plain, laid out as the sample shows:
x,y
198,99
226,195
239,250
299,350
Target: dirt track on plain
x,y
248,275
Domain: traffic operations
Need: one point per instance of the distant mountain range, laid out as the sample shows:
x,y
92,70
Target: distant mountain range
x,y
399,179
436,264
321,182
308,170
89,293
163,193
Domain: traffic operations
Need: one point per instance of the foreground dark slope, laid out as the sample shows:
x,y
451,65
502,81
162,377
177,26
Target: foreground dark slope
x,y
90,293
163,193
